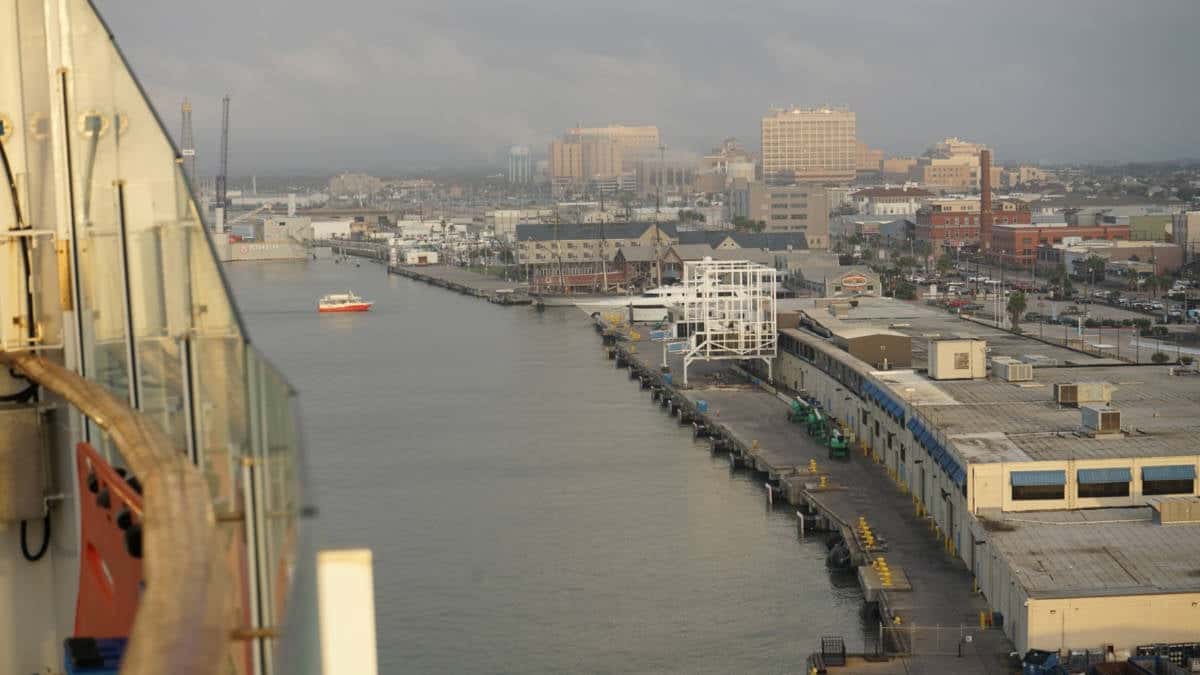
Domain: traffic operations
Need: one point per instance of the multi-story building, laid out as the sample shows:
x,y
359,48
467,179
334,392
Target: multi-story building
x,y
1185,231
951,164
867,160
566,163
955,147
1023,175
577,256
1018,243
667,173
955,222
890,201
898,168
784,208
632,142
809,144
575,160
520,165
956,174
722,165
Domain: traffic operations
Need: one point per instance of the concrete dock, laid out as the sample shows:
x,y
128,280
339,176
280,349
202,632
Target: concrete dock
x,y
930,618
467,282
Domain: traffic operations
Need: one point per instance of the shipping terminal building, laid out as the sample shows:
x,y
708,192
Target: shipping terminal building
x,y
1065,482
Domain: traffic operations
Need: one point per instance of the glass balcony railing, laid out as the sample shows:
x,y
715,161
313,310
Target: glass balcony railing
x,y
128,294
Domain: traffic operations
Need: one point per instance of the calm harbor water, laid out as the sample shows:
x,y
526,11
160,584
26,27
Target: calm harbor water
x,y
528,510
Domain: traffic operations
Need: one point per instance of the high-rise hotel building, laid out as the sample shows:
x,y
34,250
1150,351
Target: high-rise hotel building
x,y
809,144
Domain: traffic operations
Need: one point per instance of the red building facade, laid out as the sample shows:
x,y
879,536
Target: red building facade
x,y
1019,243
955,223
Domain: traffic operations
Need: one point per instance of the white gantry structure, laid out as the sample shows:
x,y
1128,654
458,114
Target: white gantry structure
x,y
729,310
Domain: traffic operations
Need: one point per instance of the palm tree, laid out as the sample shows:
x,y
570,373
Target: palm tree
x,y
1094,266
1016,309
1152,285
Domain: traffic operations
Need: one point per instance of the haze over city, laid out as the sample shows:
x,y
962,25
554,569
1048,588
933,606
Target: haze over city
x,y
398,85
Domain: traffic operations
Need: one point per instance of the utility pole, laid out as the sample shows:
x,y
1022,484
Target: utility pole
x,y
187,143
562,281
223,174
662,154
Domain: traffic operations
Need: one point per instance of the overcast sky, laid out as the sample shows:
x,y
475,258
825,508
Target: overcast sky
x,y
393,84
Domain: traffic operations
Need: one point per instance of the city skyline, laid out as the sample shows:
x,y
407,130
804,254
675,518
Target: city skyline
x,y
380,85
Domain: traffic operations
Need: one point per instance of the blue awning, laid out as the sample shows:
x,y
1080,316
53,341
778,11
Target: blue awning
x,y
1025,478
1092,476
1176,472
958,475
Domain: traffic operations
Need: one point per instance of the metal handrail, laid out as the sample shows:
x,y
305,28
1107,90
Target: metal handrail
x,y
182,624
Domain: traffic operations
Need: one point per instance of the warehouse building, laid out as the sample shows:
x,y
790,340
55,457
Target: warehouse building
x,y
1065,482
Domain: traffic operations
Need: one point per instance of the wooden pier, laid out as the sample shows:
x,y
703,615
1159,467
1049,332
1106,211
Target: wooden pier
x,y
467,282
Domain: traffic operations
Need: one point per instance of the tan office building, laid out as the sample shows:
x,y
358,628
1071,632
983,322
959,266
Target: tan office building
x,y
809,144
576,160
793,208
631,142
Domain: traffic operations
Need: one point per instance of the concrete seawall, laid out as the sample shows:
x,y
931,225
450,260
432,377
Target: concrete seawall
x,y
930,618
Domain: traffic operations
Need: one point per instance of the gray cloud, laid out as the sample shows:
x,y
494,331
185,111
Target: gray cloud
x,y
375,84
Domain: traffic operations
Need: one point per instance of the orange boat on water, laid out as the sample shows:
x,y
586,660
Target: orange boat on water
x,y
343,302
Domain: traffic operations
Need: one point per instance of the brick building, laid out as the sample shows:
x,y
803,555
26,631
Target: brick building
x,y
1018,243
955,222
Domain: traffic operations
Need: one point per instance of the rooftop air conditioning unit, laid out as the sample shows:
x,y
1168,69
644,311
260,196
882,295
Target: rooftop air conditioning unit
x,y
1083,393
1101,420
1011,370
1168,510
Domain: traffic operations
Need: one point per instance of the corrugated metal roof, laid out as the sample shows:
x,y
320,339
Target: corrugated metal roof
x,y
1096,552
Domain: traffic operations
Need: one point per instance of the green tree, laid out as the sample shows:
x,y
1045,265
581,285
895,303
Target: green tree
x,y
1016,309
1094,268
1153,283
905,290
1060,280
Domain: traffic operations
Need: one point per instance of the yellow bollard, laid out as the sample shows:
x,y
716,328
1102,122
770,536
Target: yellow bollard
x,y
824,482
812,466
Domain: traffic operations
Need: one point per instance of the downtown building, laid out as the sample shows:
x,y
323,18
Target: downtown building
x,y
809,144
520,165
783,208
601,158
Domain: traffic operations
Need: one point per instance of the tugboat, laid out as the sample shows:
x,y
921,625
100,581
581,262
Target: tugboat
x,y
343,302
